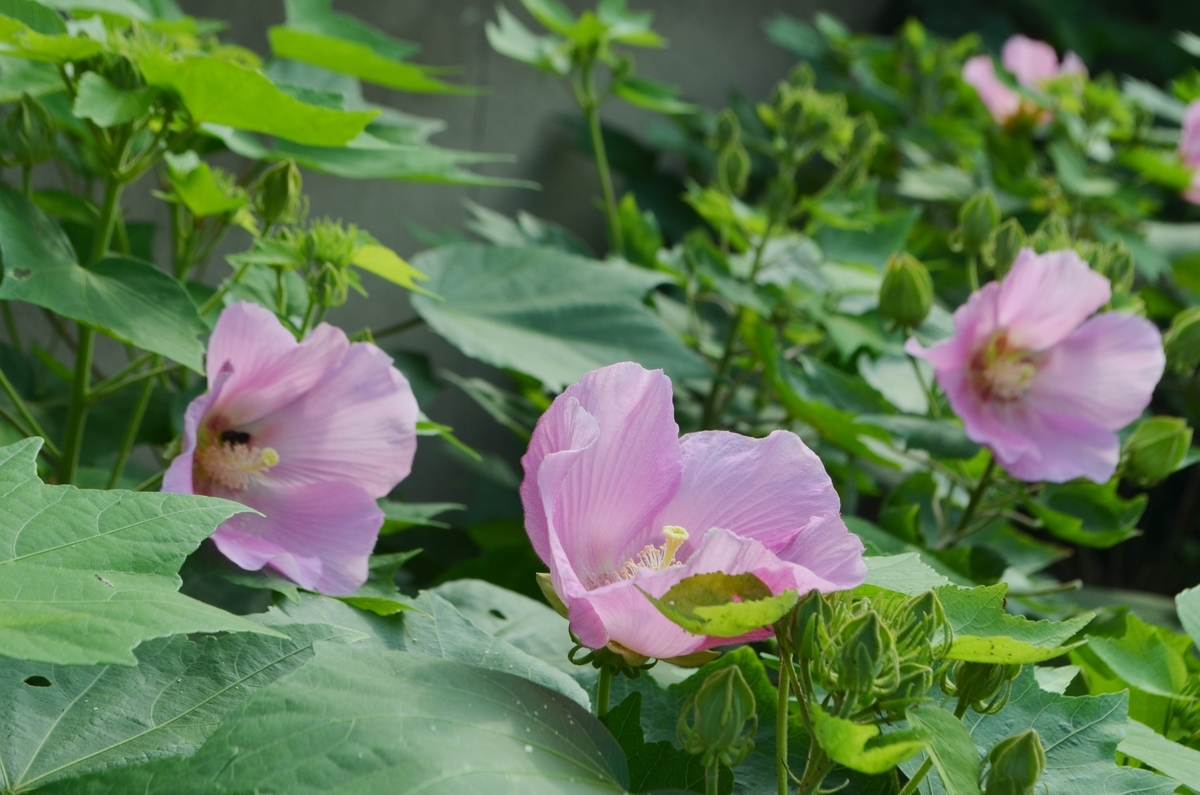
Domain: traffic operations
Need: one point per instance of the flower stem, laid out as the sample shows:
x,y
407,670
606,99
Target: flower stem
x,y
602,689
981,488
150,482
927,388
31,423
918,777
781,722
10,323
973,272
27,181
589,103
712,778
131,432
77,410
398,328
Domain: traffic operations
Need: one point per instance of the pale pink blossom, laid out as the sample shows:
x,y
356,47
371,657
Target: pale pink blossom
x,y
1032,63
309,434
616,501
1189,149
1037,378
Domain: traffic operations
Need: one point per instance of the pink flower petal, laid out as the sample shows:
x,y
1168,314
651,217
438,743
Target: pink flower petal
x,y
270,368
178,477
605,499
827,549
1105,371
1031,62
980,73
1192,194
984,422
358,424
622,613
1189,136
1066,446
1072,64
766,489
1047,296
320,536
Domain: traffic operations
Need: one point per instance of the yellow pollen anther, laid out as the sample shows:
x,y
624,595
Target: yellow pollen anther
x,y
660,557
235,465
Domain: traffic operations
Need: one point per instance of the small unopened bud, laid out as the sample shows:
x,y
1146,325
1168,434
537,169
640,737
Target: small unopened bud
x,y
733,169
1016,764
1006,242
983,686
1182,341
1155,449
728,130
31,132
867,656
1116,262
719,722
976,220
279,192
906,295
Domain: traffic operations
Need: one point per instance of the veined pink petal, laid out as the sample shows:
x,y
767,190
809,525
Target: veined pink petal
x,y
270,369
320,536
984,422
620,612
1192,194
606,498
1001,101
1072,64
974,323
1045,297
178,477
1105,371
357,424
827,549
1032,62
1189,136
765,489
1067,446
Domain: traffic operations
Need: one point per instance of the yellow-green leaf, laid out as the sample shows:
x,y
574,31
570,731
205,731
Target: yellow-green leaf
x,y
387,264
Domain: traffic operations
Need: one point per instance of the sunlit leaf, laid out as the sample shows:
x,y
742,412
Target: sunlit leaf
x,y
705,604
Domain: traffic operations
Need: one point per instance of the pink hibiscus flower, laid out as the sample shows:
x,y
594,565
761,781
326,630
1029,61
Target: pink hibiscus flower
x,y
616,501
1032,63
309,434
1189,149
1037,381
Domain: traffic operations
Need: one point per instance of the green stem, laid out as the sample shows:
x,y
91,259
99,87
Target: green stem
x,y
214,300
135,364
31,423
973,272
712,778
131,432
77,411
918,777
927,388
10,323
402,326
27,181
985,480
781,722
111,386
603,686
590,104
151,481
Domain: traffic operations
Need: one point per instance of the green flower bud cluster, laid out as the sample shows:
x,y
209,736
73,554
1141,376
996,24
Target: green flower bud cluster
x,y
32,136
983,687
1015,764
1155,449
1003,246
906,294
879,653
803,121
280,194
1182,341
977,219
733,161
329,249
718,723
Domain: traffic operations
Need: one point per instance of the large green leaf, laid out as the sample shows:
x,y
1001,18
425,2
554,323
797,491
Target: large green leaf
x,y
1080,735
1088,514
659,765
547,313
1142,658
128,299
860,746
223,92
318,16
365,721
1187,604
102,102
87,575
905,573
983,632
704,604
59,721
1172,759
949,744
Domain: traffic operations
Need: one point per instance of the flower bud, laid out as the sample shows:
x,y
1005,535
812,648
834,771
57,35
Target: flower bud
x,y
733,169
280,191
1116,262
31,133
984,686
906,295
867,656
976,220
1006,242
723,718
728,130
1155,448
1182,341
1015,765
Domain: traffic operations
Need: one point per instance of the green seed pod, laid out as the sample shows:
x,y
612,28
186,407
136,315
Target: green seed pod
x,y
31,132
1155,448
977,219
906,295
1182,341
280,192
1002,248
1015,765
723,718
733,169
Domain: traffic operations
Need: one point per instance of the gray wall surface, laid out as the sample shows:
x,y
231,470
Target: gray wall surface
x,y
715,47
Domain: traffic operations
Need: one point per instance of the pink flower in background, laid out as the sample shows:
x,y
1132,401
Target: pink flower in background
x,y
1189,149
1036,380
616,501
1032,63
310,434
